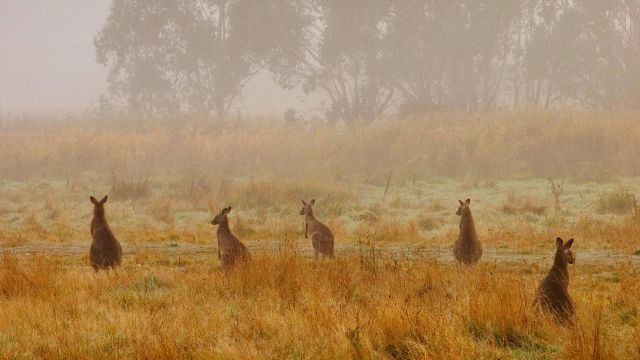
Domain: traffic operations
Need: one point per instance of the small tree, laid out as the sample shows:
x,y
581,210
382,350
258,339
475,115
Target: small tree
x,y
556,191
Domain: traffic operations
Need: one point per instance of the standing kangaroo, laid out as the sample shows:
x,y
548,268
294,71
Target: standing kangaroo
x,y
553,292
321,235
105,249
230,249
467,248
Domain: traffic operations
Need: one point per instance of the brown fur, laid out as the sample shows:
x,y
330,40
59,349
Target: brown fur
x,y
467,248
321,236
105,251
553,292
230,249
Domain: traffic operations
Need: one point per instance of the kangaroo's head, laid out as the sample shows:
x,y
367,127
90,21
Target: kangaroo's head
x,y
464,207
564,255
98,206
306,208
221,217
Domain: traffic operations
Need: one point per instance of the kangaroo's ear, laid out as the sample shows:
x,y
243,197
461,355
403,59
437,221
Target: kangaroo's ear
x,y
468,201
227,210
304,203
460,201
568,244
104,199
313,201
558,242
93,200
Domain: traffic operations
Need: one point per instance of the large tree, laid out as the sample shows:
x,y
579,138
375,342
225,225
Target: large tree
x,y
629,25
345,57
583,52
451,54
172,56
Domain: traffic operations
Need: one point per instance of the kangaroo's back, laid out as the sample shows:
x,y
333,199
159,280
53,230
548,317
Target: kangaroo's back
x,y
467,249
105,251
230,249
553,293
321,238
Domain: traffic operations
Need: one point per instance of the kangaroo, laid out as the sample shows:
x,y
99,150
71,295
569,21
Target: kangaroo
x,y
105,249
467,249
321,235
553,292
230,249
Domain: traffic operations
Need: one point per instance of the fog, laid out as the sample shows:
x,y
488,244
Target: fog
x,y
319,179
48,58
48,61
342,60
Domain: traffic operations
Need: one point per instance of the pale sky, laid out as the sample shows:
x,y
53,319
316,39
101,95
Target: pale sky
x,y
47,60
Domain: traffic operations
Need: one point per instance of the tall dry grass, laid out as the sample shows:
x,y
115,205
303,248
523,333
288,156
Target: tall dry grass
x,y
291,307
579,144
172,174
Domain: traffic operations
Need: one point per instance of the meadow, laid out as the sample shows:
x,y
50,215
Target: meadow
x,y
389,191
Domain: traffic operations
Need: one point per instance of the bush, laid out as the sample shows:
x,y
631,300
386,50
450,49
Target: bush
x,y
130,190
615,202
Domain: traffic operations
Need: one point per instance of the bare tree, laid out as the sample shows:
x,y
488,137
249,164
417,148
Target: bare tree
x,y
556,191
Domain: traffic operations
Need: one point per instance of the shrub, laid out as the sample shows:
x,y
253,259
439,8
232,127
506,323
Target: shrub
x,y
614,202
130,190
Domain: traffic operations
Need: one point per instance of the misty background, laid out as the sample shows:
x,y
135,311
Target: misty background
x,y
48,61
345,60
48,58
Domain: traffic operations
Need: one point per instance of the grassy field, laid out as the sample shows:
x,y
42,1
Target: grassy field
x,y
393,291
286,306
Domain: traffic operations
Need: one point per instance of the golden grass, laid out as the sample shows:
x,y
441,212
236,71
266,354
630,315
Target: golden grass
x,y
292,307
515,204
382,298
267,211
618,201
579,144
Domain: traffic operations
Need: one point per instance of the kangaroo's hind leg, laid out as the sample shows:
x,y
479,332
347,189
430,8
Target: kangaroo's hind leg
x,y
316,242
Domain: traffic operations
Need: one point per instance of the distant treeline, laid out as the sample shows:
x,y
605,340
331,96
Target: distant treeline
x,y
367,57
